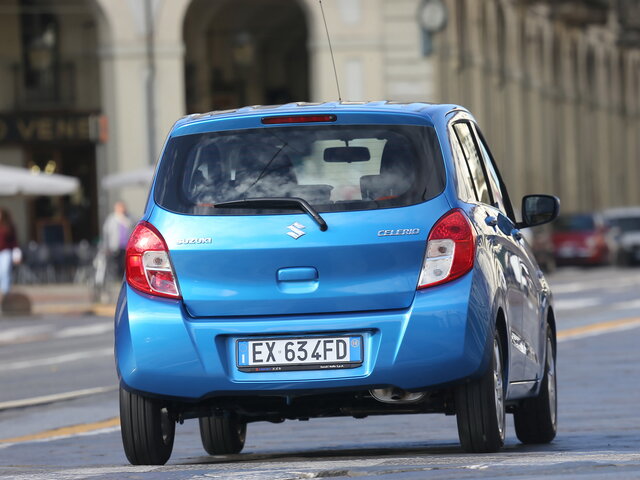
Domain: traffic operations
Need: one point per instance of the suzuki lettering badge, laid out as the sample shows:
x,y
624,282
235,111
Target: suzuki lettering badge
x,y
296,230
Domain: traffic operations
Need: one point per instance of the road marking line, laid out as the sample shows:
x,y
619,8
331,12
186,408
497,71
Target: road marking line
x,y
111,424
581,303
85,330
598,328
64,432
43,362
626,305
46,332
18,333
577,303
42,400
611,285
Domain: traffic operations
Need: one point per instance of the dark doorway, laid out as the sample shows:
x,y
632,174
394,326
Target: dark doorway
x,y
71,218
244,52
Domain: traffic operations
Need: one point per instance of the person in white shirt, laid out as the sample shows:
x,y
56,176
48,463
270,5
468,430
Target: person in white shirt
x,y
116,231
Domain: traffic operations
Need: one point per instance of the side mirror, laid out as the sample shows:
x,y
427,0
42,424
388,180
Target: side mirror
x,y
539,209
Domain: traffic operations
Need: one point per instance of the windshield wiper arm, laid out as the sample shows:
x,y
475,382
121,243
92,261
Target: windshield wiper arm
x,y
277,202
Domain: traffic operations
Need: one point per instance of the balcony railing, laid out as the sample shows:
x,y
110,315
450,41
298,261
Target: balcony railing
x,y
628,13
45,90
581,13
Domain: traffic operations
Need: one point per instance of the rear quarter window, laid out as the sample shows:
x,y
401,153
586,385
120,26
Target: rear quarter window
x,y
575,223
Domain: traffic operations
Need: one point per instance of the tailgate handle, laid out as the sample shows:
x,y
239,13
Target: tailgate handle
x,y
297,274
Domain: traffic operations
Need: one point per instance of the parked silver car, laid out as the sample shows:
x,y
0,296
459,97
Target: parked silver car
x,y
625,225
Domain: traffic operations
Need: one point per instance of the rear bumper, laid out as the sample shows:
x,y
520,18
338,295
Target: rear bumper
x,y
441,338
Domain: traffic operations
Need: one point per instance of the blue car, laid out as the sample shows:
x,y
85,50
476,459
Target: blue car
x,y
336,259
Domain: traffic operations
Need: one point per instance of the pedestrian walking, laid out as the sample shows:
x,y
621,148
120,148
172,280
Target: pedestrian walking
x,y
9,252
116,230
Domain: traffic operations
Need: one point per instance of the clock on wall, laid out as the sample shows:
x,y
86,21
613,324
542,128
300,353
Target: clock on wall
x,y
432,15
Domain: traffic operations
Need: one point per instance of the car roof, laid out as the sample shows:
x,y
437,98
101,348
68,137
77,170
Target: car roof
x,y
427,110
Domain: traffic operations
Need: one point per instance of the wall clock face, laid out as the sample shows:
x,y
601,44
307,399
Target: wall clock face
x,y
432,15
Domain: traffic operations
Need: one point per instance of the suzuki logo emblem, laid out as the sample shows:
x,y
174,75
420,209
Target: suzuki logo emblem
x,y
296,230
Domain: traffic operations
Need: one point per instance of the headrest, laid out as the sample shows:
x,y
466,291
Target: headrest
x,y
397,158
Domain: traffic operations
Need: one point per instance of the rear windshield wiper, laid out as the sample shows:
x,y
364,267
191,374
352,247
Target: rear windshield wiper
x,y
294,203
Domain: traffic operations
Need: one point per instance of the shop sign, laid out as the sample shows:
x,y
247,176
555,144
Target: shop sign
x,y
52,128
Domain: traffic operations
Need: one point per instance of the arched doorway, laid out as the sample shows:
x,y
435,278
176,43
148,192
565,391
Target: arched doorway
x,y
243,52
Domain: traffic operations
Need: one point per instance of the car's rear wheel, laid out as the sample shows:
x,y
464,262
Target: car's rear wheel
x,y
222,434
480,407
536,419
147,429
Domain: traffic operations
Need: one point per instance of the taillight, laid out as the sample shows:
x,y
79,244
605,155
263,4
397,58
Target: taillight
x,y
148,268
298,119
450,250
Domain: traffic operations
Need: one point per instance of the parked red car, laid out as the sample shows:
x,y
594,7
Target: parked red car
x,y
581,239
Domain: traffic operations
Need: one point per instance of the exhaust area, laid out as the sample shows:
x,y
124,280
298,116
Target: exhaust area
x,y
396,395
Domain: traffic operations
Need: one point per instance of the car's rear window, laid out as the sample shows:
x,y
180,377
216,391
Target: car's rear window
x,y
626,224
334,168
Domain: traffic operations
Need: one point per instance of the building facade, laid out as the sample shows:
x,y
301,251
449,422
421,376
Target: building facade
x,y
91,87
556,87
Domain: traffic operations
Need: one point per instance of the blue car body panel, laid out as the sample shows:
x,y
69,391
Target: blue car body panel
x,y
213,277
161,351
253,281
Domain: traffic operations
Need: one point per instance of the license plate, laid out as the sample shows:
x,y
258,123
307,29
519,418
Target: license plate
x,y
568,251
303,353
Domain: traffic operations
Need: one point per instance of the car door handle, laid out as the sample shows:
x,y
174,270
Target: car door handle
x,y
491,220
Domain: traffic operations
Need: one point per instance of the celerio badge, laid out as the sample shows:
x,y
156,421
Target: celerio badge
x,y
295,230
398,231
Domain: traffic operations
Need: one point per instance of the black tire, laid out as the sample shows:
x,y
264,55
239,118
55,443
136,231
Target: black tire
x,y
147,429
480,407
536,419
222,435
625,259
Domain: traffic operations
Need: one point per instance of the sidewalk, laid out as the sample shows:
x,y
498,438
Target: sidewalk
x,y
67,299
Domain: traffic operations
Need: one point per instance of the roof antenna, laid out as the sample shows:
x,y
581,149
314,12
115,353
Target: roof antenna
x,y
333,60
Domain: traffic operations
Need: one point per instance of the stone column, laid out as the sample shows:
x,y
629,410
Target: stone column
x,y
123,78
546,173
535,112
568,142
632,121
409,75
356,30
473,80
601,154
514,107
170,89
447,51
125,70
